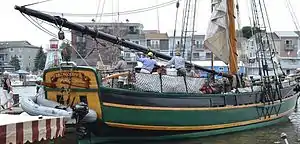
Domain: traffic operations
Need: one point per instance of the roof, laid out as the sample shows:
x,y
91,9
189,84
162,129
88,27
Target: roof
x,y
16,44
134,36
156,36
109,24
286,34
151,31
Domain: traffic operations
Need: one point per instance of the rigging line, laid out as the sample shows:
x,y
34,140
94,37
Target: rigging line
x,y
176,17
193,30
36,24
262,6
291,10
98,8
293,14
274,48
120,13
182,27
36,3
101,15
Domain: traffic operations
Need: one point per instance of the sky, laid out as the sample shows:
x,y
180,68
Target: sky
x,y
16,27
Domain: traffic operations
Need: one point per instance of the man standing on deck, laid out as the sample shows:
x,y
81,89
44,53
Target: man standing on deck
x,y
179,64
121,65
148,63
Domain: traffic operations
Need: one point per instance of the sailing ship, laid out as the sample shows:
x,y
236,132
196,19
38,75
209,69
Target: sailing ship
x,y
131,113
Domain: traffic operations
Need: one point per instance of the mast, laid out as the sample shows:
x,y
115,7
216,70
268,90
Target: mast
x,y
212,54
233,67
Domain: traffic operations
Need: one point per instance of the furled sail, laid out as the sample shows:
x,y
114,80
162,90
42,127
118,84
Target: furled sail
x,y
216,38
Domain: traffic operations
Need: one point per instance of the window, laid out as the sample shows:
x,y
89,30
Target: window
x,y
11,49
208,55
288,71
155,44
196,55
289,43
198,44
127,55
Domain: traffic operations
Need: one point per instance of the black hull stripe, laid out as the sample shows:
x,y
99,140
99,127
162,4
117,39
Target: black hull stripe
x,y
118,96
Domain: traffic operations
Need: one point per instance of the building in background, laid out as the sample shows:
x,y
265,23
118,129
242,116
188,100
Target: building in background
x,y
22,49
286,44
158,42
89,49
174,45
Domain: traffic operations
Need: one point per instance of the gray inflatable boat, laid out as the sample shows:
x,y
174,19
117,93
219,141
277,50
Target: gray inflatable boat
x,y
38,105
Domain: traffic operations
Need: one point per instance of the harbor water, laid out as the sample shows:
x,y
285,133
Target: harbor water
x,y
265,135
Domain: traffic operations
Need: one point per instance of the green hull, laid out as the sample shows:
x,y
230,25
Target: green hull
x,y
193,118
132,115
108,139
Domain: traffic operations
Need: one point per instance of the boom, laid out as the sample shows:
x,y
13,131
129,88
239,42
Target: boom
x,y
101,35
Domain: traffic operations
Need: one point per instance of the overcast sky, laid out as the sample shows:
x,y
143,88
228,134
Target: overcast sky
x,y
15,27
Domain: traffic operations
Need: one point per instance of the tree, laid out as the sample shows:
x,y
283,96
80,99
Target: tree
x,y
66,51
248,31
15,62
40,60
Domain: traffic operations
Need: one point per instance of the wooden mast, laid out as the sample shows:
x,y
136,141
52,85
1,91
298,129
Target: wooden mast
x,y
233,67
212,54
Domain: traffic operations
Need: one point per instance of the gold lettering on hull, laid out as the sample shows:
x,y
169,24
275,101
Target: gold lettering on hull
x,y
74,79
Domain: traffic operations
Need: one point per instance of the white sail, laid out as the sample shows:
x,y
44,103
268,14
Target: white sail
x,y
216,38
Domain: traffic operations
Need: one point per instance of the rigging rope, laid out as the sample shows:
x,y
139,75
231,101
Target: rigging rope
x,y
141,10
98,8
31,4
174,35
294,17
36,24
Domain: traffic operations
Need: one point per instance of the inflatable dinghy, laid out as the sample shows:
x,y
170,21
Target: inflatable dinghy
x,y
38,105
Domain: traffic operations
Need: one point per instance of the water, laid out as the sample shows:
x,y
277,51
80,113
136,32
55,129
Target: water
x,y
266,135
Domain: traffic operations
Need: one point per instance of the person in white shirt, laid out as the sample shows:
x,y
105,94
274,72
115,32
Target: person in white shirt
x,y
179,64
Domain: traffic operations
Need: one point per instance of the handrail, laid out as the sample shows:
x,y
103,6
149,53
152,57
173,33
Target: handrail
x,y
115,75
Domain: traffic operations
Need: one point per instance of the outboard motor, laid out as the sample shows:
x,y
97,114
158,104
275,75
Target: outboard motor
x,y
80,111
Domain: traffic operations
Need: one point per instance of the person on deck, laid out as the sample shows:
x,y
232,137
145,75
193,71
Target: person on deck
x,y
121,65
179,64
6,99
191,72
148,63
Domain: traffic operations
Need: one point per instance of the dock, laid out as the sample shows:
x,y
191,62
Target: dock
x,y
17,129
14,111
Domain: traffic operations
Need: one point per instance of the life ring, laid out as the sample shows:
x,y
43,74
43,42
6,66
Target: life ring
x,y
115,75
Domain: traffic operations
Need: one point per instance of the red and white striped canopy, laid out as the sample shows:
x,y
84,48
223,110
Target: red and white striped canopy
x,y
16,129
